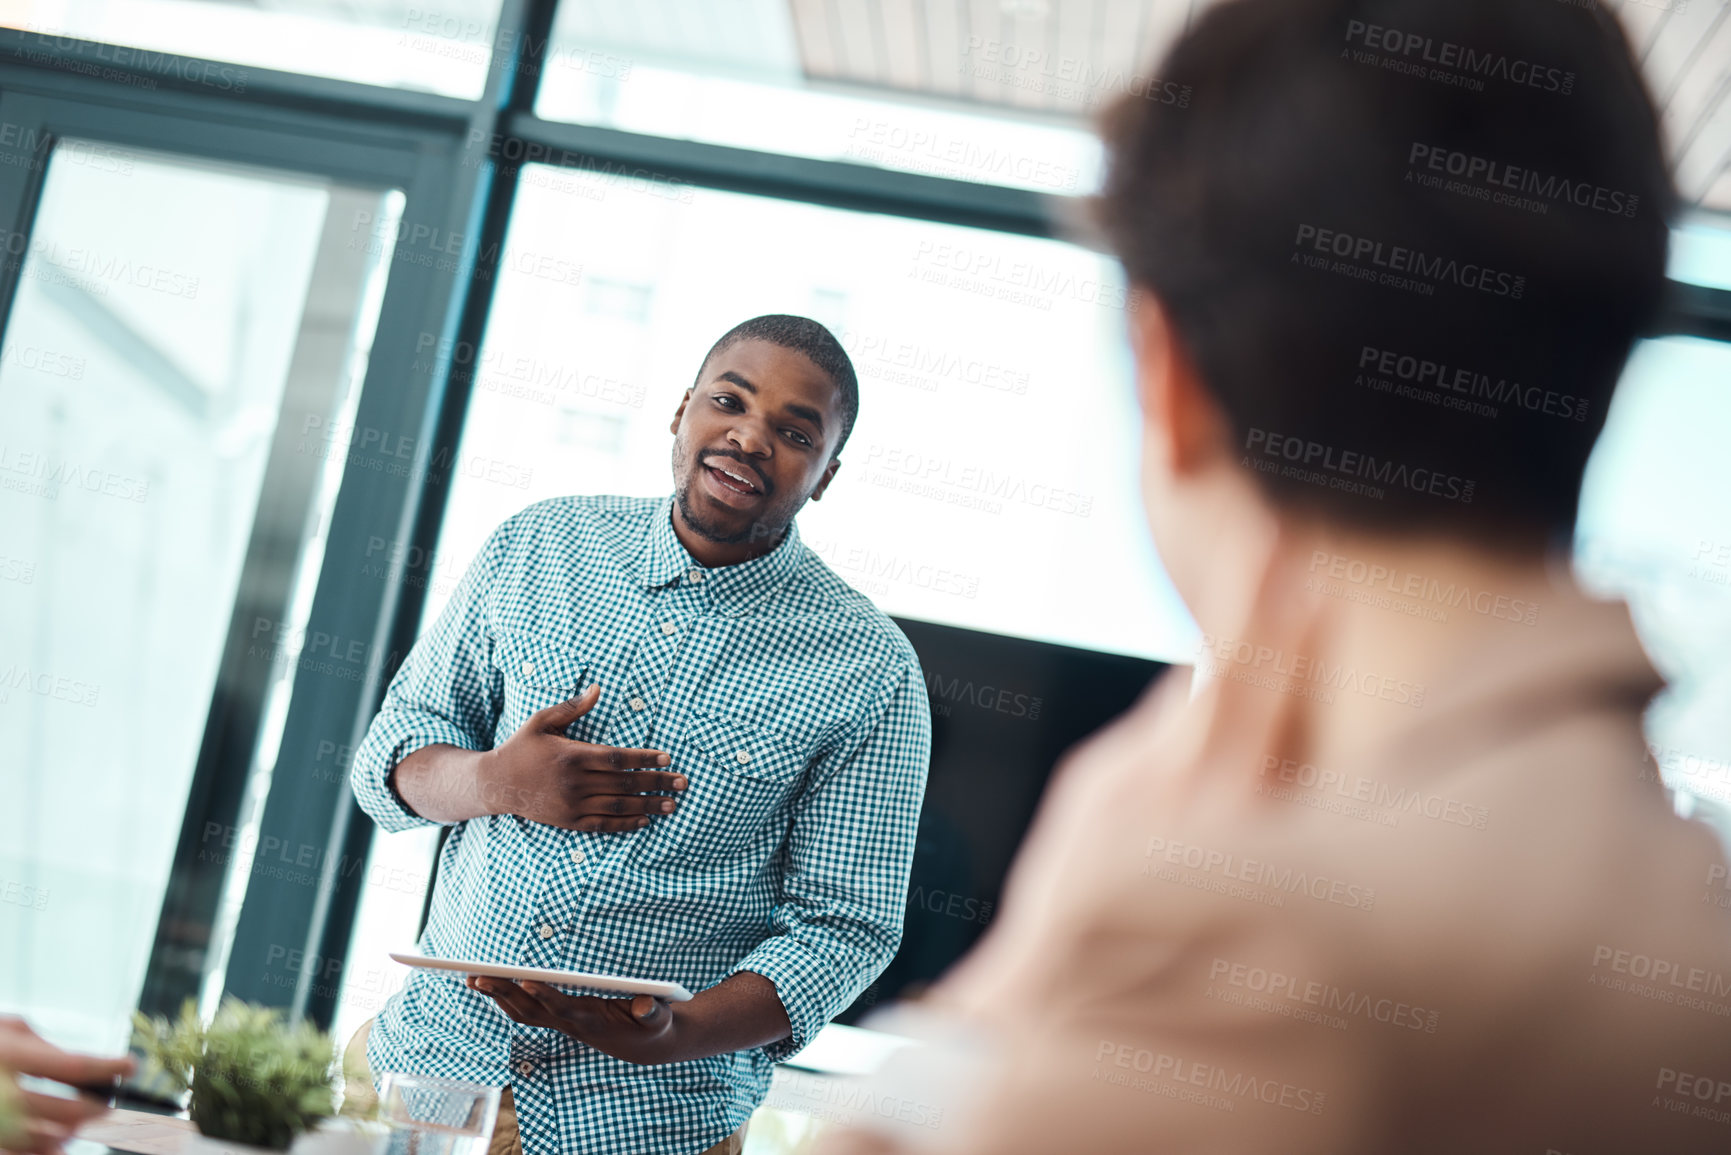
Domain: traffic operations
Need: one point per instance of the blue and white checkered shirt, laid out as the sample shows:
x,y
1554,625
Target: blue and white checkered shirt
x,y
796,710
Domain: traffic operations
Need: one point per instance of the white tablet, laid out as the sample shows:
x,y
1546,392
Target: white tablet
x,y
672,992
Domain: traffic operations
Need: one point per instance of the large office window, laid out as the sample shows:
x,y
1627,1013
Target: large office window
x,y
168,312
990,482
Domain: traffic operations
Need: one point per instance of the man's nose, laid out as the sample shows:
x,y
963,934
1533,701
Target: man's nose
x,y
749,437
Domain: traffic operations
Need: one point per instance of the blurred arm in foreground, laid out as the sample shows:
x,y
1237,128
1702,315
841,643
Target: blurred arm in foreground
x,y
44,1122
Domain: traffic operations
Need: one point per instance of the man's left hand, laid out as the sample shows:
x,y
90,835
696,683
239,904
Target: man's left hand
x,y
637,1030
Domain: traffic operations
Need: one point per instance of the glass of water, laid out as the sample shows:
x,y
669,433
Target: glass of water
x,y
429,1116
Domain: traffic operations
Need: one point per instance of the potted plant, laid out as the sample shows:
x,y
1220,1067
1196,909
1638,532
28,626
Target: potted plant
x,y
257,1083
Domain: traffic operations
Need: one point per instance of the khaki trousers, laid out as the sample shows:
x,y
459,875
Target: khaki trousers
x,y
506,1140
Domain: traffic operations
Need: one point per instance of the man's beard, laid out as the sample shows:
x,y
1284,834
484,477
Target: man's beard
x,y
760,529
708,530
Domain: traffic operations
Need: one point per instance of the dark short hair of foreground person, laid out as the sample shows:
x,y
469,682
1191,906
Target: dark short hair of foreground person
x,y
1316,217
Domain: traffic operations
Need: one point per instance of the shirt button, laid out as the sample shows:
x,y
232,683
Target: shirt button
x,y
695,575
669,628
525,1067
528,668
742,757
639,704
544,931
578,857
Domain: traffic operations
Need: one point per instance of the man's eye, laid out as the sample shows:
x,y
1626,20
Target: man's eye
x,y
726,399
798,437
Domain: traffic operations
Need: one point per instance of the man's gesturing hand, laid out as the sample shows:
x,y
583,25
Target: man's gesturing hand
x,y
542,775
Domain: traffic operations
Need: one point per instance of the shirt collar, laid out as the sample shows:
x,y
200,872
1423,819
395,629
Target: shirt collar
x,y
733,588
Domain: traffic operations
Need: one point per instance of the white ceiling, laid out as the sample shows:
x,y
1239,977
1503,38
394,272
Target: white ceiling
x,y
1686,55
938,48
747,39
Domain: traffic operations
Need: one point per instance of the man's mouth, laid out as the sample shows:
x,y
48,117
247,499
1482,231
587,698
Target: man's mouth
x,y
732,479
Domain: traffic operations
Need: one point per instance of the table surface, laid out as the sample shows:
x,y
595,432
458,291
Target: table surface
x,y
157,1133
138,1131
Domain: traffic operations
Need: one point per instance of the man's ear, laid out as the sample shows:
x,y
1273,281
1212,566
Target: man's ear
x,y
680,412
828,476
1179,415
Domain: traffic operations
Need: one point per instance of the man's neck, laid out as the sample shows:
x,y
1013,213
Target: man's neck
x,y
715,554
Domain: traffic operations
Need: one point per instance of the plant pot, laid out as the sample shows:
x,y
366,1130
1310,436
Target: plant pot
x,y
333,1138
198,1143
342,1137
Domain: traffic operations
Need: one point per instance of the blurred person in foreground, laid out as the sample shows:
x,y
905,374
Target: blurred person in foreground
x,y
30,1120
1385,873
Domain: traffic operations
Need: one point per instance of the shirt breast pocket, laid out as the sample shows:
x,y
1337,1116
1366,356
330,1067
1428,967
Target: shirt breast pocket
x,y
537,674
742,778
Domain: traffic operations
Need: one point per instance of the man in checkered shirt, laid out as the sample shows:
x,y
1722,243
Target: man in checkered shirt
x,y
670,744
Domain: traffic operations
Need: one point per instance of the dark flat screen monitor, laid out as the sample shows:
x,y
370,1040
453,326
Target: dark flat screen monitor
x,y
1004,711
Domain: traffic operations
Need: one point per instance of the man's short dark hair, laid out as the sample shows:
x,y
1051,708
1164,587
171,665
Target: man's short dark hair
x,y
803,335
1408,245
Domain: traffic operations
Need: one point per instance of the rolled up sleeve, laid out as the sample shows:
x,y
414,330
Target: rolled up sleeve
x,y
446,693
838,916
